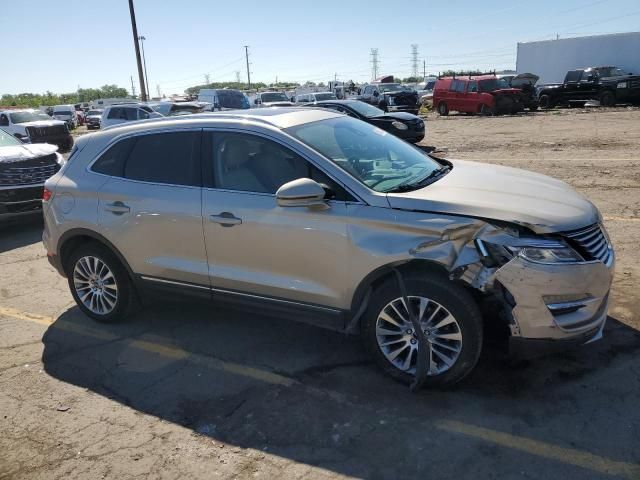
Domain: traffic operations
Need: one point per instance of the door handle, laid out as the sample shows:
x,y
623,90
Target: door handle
x,y
117,208
226,219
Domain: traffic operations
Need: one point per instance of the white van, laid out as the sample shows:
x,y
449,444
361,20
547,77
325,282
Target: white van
x,y
66,113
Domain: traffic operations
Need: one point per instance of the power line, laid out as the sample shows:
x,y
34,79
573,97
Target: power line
x,y
374,63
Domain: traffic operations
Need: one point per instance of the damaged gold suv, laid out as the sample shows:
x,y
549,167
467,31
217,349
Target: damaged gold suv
x,y
317,216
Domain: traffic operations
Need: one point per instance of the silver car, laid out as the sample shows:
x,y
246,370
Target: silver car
x,y
326,219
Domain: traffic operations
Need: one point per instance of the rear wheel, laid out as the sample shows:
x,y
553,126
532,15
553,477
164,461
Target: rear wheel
x,y
607,99
486,110
443,109
545,102
449,317
99,283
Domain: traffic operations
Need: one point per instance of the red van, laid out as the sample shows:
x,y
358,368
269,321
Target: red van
x,y
484,94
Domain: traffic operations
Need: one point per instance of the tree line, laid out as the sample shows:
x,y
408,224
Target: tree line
x,y
34,100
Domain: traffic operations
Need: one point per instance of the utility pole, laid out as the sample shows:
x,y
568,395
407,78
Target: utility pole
x,y
206,79
374,63
144,62
133,88
238,77
134,28
246,53
158,90
424,69
414,60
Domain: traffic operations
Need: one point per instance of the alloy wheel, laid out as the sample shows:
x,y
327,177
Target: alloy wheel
x,y
95,285
399,344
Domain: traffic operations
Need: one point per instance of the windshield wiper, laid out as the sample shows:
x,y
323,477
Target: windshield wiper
x,y
423,182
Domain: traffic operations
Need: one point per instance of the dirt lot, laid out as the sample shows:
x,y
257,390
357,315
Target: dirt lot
x,y
192,391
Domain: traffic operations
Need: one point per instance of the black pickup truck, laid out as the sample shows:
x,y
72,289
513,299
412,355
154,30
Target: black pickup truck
x,y
608,85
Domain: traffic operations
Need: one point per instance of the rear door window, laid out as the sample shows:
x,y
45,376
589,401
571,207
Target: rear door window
x,y
115,113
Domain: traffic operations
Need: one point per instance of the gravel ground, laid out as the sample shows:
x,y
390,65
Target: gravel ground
x,y
193,391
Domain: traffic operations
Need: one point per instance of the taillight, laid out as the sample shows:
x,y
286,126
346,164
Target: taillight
x,y
46,194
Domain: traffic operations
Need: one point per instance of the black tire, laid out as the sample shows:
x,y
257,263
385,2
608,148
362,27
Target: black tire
x,y
453,298
607,99
545,102
443,109
485,110
125,289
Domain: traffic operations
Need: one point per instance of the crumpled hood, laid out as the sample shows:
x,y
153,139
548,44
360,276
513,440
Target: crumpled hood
x,y
493,192
41,123
18,153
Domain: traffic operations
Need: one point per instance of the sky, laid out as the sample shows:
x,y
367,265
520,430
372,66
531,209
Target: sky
x,y
60,45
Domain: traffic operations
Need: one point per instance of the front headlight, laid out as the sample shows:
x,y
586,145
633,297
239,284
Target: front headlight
x,y
399,125
531,249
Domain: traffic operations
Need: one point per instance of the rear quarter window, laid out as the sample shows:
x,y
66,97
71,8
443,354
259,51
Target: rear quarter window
x,y
112,161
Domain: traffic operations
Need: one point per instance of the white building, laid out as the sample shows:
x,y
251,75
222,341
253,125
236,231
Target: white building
x,y
551,59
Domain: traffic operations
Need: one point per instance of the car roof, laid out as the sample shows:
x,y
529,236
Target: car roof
x,y
277,117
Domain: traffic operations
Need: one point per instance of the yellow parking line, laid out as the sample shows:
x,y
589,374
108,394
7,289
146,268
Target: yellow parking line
x,y
541,449
158,348
30,317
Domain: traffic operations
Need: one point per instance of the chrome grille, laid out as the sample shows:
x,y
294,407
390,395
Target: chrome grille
x,y
29,172
591,243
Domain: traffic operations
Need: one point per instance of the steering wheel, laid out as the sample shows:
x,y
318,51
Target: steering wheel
x,y
354,163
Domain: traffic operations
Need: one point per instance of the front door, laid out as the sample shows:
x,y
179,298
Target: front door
x,y
150,208
258,248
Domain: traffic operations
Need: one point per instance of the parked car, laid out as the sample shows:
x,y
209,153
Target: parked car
x,y
425,89
484,94
33,126
390,97
173,109
401,124
358,231
272,99
223,99
23,170
130,112
93,118
315,97
81,117
608,85
66,113
527,83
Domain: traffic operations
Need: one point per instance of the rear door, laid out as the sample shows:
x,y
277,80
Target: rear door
x,y
150,207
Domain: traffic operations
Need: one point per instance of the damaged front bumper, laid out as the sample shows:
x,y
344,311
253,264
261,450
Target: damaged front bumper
x,y
551,306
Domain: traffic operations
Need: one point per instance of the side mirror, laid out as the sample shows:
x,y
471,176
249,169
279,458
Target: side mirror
x,y
302,192
376,94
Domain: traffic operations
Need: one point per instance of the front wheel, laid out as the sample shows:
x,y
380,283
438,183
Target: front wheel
x,y
449,317
443,109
